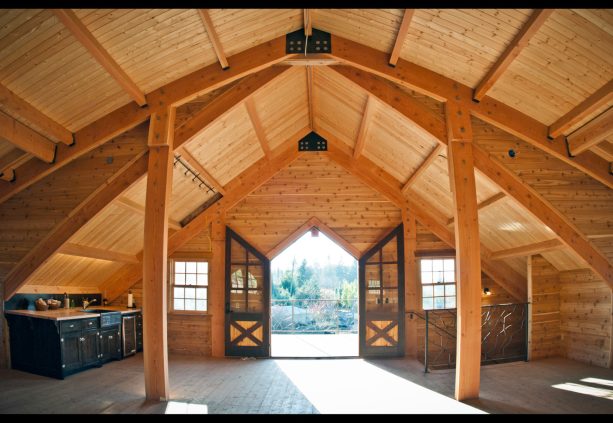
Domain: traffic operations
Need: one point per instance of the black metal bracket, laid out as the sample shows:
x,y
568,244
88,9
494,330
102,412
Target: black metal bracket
x,y
313,142
318,42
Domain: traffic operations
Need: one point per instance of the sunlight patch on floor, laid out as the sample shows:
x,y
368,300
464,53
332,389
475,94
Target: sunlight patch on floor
x,y
175,407
598,381
315,345
586,390
355,386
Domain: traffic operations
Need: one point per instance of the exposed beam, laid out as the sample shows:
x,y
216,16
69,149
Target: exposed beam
x,y
210,30
26,139
412,286
591,133
468,256
57,289
257,126
87,39
309,75
312,59
401,35
528,250
10,161
240,187
521,40
96,253
423,167
485,203
600,236
441,88
360,142
133,206
80,215
605,150
540,208
178,92
155,254
15,106
193,162
590,105
313,222
308,22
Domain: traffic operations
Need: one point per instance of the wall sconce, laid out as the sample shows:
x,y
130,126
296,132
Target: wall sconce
x,y
487,291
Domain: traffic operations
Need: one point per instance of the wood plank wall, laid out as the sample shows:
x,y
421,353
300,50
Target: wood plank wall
x,y
545,310
586,312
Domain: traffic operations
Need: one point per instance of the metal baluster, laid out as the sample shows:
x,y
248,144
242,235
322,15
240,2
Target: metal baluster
x,y
426,344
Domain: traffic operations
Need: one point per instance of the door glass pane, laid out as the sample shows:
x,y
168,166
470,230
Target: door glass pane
x,y
373,297
372,276
256,303
375,258
256,277
390,300
237,276
390,275
390,250
252,258
238,252
237,301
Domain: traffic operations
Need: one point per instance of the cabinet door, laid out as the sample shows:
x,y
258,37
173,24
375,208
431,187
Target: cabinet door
x,y
110,344
129,335
71,348
139,332
89,347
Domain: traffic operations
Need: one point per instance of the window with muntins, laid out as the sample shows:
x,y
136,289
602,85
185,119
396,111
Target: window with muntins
x,y
189,285
438,283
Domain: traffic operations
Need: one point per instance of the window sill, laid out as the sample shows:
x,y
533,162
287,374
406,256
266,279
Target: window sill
x,y
188,313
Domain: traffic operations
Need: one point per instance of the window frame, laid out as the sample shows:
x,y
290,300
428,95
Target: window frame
x,y
171,284
433,284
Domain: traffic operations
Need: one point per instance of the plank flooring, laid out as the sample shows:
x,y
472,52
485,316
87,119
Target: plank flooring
x,y
304,387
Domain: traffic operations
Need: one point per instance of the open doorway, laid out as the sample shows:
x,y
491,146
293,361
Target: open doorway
x,y
314,299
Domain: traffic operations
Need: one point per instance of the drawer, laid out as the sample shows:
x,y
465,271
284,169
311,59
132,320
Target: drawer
x,y
71,325
90,323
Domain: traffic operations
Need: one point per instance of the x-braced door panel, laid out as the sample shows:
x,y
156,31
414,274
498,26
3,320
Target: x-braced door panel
x,y
247,299
382,298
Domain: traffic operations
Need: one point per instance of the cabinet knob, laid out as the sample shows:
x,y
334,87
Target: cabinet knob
x,y
62,340
110,336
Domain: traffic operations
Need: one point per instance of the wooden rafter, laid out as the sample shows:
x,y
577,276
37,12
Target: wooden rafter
x,y
586,108
129,116
257,127
26,139
20,109
313,222
309,75
96,253
193,162
422,167
133,206
441,88
521,40
591,133
80,215
510,183
485,203
360,142
528,250
10,161
308,22
87,39
401,35
210,30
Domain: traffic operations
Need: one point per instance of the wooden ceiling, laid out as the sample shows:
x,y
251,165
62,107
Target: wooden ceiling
x,y
561,74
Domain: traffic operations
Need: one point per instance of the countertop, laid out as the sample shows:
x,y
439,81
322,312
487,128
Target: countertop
x,y
73,313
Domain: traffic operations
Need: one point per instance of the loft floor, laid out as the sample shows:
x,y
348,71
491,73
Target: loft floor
x,y
312,386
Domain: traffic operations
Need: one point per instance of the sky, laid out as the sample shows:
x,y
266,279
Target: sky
x,y
319,249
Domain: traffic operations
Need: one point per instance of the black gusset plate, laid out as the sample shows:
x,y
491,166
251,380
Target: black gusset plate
x,y
319,42
312,142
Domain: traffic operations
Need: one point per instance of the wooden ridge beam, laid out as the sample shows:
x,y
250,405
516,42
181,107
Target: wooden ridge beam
x,y
528,250
521,40
309,75
96,253
307,20
401,35
210,30
175,93
602,97
591,133
441,88
360,142
87,39
133,206
540,208
193,162
257,126
26,139
15,106
422,167
485,203
79,216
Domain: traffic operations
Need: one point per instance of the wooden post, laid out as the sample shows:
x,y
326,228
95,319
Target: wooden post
x,y
217,285
411,285
155,254
529,280
468,256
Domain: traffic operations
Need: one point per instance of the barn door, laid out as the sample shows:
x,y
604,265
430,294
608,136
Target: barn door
x,y
247,299
382,298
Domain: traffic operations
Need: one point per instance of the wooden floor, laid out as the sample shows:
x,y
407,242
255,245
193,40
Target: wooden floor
x,y
312,386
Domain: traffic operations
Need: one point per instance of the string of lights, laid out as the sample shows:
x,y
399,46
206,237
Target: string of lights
x,y
196,176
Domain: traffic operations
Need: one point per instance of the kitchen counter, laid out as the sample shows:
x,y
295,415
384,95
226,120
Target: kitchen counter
x,y
73,313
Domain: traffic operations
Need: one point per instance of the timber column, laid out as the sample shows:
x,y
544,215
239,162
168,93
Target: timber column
x,y
217,285
411,286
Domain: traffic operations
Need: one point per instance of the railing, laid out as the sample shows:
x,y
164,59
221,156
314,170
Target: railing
x,y
504,335
314,316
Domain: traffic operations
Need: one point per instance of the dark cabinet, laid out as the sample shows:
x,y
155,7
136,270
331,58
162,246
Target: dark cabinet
x,y
129,335
110,344
71,352
80,349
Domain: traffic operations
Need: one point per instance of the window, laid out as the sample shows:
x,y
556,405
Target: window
x,y
438,283
189,285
